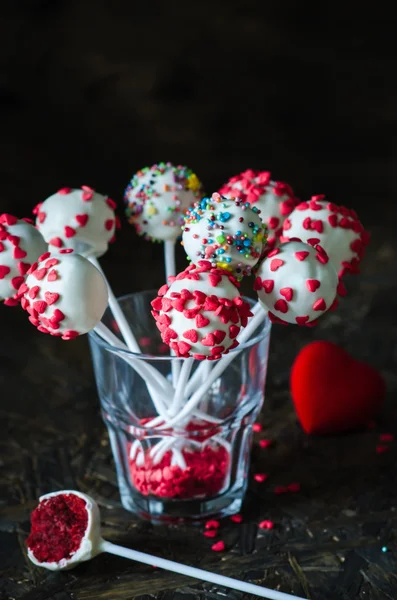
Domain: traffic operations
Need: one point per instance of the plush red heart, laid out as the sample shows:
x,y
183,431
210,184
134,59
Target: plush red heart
x,y
332,391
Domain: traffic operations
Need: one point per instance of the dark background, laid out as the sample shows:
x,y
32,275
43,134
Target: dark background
x,y
91,91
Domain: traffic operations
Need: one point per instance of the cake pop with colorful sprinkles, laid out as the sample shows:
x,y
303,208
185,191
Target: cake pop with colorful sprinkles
x,y
201,312
20,245
274,199
80,219
228,232
296,283
64,294
336,228
157,198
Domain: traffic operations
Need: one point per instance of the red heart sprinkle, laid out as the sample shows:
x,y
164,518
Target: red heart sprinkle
x,y
19,253
14,239
52,275
210,533
40,306
312,284
301,255
287,292
201,321
69,231
4,271
111,203
214,279
8,219
268,285
82,220
70,335
233,331
56,241
184,348
218,546
41,217
65,190
33,292
208,340
16,282
302,320
219,336
109,224
281,306
191,334
333,220
23,267
319,304
57,316
40,273
276,263
273,222
51,297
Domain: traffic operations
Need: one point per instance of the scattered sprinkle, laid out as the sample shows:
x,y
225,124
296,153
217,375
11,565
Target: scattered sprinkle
x,y
265,443
380,449
212,524
210,533
257,427
236,518
266,524
260,477
218,546
386,437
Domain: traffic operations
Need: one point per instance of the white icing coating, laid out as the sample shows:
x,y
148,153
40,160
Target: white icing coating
x,y
226,232
343,240
274,199
193,309
80,219
296,283
157,198
20,246
90,544
65,295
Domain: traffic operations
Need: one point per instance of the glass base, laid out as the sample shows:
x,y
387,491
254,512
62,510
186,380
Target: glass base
x,y
159,511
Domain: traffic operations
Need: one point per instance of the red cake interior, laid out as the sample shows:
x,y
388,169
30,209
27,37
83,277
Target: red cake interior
x,y
58,526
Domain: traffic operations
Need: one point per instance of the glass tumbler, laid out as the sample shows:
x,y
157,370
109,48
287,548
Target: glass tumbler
x,y
174,464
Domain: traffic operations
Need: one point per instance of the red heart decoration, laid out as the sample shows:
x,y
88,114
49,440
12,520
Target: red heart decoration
x,y
332,391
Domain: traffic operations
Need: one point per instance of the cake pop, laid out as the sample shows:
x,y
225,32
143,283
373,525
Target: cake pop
x,y
20,245
80,219
274,199
227,232
64,294
66,531
201,312
336,228
157,198
296,283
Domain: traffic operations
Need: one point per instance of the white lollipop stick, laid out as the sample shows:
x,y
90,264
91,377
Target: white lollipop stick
x,y
180,388
170,270
118,314
221,580
91,544
221,365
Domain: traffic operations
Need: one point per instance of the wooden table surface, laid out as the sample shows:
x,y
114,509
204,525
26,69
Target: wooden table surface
x,y
90,91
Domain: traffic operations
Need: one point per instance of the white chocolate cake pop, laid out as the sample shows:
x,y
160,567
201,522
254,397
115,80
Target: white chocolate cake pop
x,y
201,312
65,530
20,246
296,283
64,294
157,198
80,219
227,232
274,199
336,228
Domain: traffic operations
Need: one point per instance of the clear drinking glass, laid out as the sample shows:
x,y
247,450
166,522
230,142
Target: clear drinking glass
x,y
193,468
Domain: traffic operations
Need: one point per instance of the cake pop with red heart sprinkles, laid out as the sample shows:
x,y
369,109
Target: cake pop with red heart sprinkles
x,y
80,219
296,283
336,228
201,312
64,294
227,232
20,246
274,199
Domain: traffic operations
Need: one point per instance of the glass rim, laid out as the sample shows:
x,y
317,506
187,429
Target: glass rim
x,y
154,357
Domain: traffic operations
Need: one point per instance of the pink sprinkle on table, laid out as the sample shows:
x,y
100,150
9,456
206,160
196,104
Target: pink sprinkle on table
x,y
257,427
212,524
236,518
260,477
380,449
218,546
266,524
265,443
210,533
386,437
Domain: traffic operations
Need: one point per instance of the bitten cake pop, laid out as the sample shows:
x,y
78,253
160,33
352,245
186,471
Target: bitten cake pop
x,y
336,228
157,198
274,199
201,312
20,245
227,232
64,294
80,219
66,531
296,283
